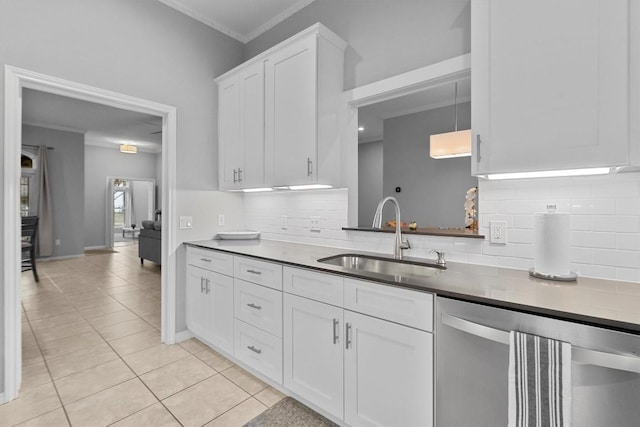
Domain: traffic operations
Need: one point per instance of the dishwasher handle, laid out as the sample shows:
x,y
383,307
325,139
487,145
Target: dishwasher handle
x,y
578,354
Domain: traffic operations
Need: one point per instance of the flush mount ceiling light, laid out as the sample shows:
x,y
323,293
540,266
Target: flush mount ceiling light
x,y
451,144
129,149
360,128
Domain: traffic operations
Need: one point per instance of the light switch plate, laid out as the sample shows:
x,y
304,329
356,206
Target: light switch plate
x,y
315,223
186,222
284,222
498,232
221,220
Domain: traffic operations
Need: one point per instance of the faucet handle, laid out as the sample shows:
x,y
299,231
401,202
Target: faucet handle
x,y
405,244
440,261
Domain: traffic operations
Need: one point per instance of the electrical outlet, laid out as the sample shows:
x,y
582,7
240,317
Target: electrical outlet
x,y
498,232
315,223
57,242
186,222
221,220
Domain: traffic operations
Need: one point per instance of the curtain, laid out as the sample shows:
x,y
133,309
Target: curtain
x,y
44,245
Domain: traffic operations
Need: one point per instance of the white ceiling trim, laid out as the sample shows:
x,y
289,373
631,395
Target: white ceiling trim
x,y
204,19
244,38
301,4
54,126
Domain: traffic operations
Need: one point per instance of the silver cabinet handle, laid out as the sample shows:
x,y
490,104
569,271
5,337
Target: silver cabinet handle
x,y
478,143
309,166
201,284
347,334
239,176
205,260
255,350
579,354
335,331
257,307
235,173
208,289
254,272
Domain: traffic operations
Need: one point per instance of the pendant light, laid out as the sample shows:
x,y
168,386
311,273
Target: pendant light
x,y
451,144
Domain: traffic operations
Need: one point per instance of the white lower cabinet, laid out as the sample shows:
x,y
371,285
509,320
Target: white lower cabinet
x,y
210,307
313,357
388,373
258,349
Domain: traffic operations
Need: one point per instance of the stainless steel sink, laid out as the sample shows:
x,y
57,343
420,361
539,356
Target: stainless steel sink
x,y
382,265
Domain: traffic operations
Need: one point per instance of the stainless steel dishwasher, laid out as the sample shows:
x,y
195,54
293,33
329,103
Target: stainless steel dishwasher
x,y
472,360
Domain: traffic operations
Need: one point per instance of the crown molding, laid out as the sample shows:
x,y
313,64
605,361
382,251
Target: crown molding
x,y
294,8
243,38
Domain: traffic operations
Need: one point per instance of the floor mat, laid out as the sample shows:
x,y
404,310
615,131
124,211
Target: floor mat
x,y
289,413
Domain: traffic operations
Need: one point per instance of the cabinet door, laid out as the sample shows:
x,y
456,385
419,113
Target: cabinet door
x,y
251,174
291,114
388,373
313,365
219,291
230,133
198,319
550,84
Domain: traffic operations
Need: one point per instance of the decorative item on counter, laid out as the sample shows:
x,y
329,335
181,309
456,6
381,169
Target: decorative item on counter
x,y
133,226
413,225
470,211
392,223
551,246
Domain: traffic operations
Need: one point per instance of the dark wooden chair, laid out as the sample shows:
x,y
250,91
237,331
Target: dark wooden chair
x,y
29,231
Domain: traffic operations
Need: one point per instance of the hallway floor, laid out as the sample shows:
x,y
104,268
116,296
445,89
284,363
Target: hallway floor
x,y
92,354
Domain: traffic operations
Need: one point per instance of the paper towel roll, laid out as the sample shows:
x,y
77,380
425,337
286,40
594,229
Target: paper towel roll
x,y
551,240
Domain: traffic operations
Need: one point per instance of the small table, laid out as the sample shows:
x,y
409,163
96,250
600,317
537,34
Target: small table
x,y
130,230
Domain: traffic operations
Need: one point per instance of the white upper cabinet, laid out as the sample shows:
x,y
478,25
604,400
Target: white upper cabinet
x,y
241,128
280,114
553,84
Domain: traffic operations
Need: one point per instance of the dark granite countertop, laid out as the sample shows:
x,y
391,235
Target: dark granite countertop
x,y
606,303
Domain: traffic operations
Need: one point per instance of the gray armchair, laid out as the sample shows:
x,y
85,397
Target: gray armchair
x,y
150,240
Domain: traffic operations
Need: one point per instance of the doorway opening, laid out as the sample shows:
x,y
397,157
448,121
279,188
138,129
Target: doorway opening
x,y
15,81
130,202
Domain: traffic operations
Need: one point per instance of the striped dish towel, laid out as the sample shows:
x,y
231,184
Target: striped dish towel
x,y
539,381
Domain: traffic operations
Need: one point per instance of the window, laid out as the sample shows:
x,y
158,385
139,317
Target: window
x,y
24,195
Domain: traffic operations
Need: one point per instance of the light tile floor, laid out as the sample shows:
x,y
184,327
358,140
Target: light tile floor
x,y
92,354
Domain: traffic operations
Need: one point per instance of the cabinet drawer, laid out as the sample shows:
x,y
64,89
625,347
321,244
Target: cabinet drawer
x,y
217,261
260,272
311,284
403,306
258,306
258,349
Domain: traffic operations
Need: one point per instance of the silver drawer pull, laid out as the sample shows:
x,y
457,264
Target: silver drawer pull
x,y
254,271
335,331
348,336
205,259
201,284
579,354
255,350
207,283
257,307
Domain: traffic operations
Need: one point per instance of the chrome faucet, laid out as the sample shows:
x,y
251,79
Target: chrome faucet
x,y
377,223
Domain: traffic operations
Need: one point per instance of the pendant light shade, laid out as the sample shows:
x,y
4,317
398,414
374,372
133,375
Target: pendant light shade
x,y
129,149
451,144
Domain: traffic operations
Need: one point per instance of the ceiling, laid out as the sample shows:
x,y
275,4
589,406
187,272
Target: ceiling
x,y
102,125
243,20
371,117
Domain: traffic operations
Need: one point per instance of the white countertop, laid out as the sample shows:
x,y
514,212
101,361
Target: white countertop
x,y
600,302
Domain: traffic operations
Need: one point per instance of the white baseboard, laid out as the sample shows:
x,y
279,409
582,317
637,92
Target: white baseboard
x,y
58,258
93,248
183,336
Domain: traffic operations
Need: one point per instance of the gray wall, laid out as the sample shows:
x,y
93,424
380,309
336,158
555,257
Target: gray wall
x,y
370,162
140,48
385,37
433,190
66,175
100,163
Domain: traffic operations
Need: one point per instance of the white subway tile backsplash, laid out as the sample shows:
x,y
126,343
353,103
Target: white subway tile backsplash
x,y
628,206
628,241
593,240
605,223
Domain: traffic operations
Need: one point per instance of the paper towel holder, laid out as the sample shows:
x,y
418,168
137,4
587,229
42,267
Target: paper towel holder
x,y
571,277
